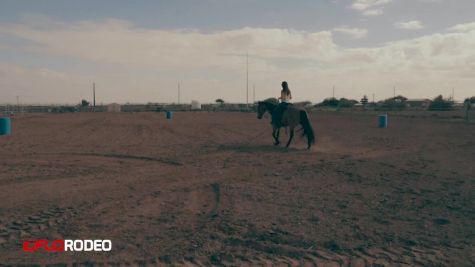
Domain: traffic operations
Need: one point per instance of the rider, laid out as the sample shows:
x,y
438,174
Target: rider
x,y
285,97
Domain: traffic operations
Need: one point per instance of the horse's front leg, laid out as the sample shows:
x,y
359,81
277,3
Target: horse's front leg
x,y
291,136
276,134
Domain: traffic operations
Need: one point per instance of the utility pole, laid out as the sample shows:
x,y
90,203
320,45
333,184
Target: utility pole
x,y
94,94
453,94
247,80
253,93
373,97
333,91
394,91
18,103
178,92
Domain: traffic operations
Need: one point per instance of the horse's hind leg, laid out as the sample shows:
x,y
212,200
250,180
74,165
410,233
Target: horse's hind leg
x,y
291,136
276,134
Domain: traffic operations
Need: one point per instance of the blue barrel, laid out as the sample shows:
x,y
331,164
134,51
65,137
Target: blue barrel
x,y
169,115
5,126
383,121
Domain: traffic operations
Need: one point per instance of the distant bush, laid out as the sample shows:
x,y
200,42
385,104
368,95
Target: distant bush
x,y
329,102
439,103
84,103
337,103
63,109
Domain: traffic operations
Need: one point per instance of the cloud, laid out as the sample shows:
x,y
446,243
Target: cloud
x,y
409,25
463,27
370,7
135,64
355,33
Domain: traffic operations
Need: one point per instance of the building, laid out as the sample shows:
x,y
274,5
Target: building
x,y
195,105
114,107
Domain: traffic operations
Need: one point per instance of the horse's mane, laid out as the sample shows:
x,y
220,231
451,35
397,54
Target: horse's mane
x,y
269,104
272,100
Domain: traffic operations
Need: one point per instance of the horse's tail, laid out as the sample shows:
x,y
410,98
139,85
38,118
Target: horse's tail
x,y
307,128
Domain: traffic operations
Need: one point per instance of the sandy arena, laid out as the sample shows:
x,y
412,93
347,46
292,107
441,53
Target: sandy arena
x,y
210,188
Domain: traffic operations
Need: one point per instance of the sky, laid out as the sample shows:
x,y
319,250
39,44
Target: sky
x,y
52,51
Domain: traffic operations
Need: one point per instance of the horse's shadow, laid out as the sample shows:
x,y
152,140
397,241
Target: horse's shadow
x,y
250,148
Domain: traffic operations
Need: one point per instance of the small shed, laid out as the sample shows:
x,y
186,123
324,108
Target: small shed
x,y
114,107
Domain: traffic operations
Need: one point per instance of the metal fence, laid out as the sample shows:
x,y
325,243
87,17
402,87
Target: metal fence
x,y
459,113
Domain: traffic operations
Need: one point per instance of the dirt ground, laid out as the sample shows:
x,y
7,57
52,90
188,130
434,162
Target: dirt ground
x,y
210,188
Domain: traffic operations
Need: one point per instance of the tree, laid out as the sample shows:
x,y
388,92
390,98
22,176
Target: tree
x,y
469,101
340,103
84,103
346,103
364,101
329,102
439,103
220,101
397,102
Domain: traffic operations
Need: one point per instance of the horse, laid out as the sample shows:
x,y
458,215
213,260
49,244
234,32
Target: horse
x,y
291,118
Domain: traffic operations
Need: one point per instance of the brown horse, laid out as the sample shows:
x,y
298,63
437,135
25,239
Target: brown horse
x,y
291,118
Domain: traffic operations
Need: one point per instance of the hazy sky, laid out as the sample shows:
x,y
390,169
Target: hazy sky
x,y
137,51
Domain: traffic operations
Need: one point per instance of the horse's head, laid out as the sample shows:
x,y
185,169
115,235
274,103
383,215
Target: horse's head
x,y
261,109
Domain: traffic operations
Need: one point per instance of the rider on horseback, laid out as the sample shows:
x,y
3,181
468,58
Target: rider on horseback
x,y
285,97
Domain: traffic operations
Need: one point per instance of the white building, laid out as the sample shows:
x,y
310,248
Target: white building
x,y
195,105
114,107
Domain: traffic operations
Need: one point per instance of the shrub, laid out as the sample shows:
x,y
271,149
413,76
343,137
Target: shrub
x,y
439,103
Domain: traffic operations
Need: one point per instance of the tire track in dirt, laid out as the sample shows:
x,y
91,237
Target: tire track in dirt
x,y
50,222
133,157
